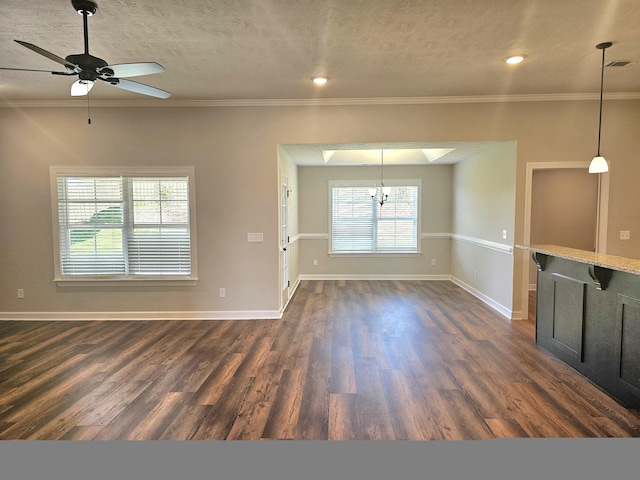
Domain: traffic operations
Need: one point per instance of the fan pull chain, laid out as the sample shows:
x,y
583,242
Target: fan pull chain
x,y
88,110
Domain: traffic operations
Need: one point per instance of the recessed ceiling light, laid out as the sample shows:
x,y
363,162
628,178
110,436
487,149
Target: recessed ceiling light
x,y
514,59
319,80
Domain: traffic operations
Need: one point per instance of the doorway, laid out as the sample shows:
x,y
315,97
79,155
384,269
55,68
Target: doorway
x,y
601,217
564,203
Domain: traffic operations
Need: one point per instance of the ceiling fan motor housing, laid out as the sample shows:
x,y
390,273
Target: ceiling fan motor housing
x,y
85,6
86,62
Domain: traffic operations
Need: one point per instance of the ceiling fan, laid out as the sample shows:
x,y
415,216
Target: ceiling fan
x,y
89,68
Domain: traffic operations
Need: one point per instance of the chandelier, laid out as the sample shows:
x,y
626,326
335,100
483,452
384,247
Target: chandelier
x,y
383,192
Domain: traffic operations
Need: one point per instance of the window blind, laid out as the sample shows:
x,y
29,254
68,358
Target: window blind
x,y
352,220
124,226
397,221
158,241
360,225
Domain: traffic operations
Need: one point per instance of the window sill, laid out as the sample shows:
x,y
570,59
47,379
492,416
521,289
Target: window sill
x,y
385,254
130,282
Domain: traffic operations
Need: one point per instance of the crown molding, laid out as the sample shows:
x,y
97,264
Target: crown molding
x,y
319,102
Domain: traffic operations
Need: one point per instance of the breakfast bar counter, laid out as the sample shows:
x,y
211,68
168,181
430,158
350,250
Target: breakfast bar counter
x,y
588,315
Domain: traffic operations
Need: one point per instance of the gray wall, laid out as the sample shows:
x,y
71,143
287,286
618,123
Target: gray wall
x,y
314,219
234,152
484,193
563,210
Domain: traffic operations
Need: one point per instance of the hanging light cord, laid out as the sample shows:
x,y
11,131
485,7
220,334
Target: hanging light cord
x,y
603,46
601,91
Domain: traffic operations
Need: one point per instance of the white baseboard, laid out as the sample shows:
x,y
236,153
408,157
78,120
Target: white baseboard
x,y
292,291
296,284
506,312
117,316
337,276
245,315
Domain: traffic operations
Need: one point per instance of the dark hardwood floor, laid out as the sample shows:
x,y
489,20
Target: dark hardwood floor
x,y
349,360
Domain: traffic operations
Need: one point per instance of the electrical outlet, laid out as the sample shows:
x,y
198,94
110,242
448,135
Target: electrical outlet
x,y
20,293
504,234
625,234
222,292
315,262
433,261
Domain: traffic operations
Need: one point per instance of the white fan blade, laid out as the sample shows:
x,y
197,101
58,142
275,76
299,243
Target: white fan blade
x,y
80,88
136,87
135,69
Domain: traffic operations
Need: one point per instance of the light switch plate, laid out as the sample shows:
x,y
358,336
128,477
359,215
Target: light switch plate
x,y
625,234
254,237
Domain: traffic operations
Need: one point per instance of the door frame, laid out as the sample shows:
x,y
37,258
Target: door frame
x,y
602,216
284,285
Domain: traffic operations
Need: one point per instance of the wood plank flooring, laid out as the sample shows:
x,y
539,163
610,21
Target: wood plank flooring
x,y
385,360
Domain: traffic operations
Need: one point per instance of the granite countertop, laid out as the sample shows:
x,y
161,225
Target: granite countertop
x,y
623,264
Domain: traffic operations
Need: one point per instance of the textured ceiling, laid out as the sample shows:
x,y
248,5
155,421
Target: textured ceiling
x,y
226,50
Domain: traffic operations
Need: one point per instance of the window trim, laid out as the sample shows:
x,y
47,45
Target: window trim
x,y
417,182
56,172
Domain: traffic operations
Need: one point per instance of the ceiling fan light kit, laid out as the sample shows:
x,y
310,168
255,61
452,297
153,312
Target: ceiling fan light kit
x,y
90,69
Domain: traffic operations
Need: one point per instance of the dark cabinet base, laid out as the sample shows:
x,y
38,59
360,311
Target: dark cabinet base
x,y
590,318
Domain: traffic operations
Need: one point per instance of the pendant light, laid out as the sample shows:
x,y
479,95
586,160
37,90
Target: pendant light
x,y
384,191
599,164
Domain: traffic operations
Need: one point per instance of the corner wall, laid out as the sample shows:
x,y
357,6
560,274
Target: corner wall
x,y
484,207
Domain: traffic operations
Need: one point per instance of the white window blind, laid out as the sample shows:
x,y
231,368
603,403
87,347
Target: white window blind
x,y
158,240
359,224
126,227
352,220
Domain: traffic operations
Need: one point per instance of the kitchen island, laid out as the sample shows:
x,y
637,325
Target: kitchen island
x,y
588,315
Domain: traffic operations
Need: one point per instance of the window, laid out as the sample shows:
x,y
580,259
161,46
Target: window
x,y
123,224
359,225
